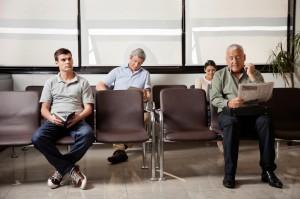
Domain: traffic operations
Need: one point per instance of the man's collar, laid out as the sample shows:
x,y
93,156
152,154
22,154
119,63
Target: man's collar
x,y
127,66
242,71
241,75
75,78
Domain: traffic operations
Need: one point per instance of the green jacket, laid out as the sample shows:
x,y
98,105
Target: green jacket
x,y
225,86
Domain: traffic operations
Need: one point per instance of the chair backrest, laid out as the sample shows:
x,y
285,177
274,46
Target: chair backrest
x,y
184,109
156,89
285,110
19,117
119,110
39,89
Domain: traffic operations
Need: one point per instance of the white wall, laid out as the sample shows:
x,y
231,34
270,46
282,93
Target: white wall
x,y
23,80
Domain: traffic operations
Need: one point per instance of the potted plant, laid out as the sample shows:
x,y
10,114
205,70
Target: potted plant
x,y
283,62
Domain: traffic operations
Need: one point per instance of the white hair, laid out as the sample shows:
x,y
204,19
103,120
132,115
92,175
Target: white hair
x,y
235,46
138,52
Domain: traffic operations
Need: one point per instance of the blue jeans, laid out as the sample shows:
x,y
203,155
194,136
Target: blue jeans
x,y
45,138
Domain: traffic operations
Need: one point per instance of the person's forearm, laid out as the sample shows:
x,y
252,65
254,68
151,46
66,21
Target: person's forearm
x,y
256,77
88,109
46,113
101,86
148,95
216,96
219,102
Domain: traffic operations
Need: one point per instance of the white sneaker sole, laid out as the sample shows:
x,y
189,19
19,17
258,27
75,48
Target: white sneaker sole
x,y
83,182
51,185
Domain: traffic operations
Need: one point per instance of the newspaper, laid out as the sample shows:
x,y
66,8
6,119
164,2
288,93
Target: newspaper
x,y
256,92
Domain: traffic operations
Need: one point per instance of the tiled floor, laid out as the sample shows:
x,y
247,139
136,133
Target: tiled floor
x,y
195,171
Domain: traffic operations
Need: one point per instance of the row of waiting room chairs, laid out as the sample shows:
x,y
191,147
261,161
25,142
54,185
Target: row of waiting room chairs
x,y
181,116
119,117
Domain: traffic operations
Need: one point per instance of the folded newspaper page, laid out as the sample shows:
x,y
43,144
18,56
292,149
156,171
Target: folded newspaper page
x,y
256,92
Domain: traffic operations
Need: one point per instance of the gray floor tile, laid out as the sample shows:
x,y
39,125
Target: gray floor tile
x,y
193,171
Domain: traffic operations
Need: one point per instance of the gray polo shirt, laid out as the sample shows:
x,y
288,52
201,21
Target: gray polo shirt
x,y
225,86
67,96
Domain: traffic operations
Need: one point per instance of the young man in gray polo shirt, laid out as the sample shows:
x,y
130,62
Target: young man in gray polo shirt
x,y
63,94
122,78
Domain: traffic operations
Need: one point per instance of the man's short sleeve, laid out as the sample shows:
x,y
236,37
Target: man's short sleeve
x,y
87,93
46,95
111,77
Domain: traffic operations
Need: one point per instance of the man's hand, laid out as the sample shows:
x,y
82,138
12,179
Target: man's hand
x,y
101,86
235,103
146,95
56,120
74,120
250,70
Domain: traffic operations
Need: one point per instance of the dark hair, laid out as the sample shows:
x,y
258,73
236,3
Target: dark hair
x,y
61,51
210,63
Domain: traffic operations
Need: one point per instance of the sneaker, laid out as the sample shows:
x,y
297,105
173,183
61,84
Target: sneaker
x,y
55,180
78,178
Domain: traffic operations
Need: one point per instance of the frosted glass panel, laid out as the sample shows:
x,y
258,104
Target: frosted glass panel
x,y
213,25
111,29
31,30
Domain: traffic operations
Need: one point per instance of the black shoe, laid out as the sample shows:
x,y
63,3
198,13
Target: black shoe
x,y
229,182
271,178
117,157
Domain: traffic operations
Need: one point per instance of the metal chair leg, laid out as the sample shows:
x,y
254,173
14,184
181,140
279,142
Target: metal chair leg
x,y
13,153
144,156
25,148
153,150
277,149
161,152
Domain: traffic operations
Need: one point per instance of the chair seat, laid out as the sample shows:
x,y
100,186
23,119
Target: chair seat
x,y
216,130
193,135
15,140
16,134
122,136
287,134
66,140
19,117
